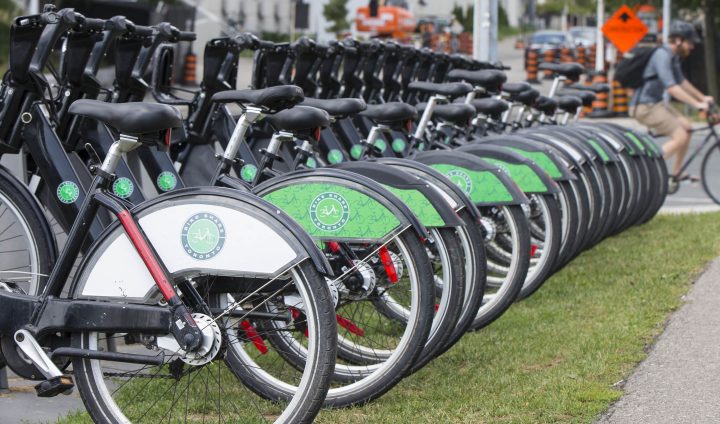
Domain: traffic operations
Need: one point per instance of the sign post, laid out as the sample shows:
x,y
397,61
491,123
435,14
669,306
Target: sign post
x,y
600,41
624,29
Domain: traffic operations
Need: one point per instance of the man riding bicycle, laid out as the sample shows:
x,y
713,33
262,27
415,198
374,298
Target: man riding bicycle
x,y
662,74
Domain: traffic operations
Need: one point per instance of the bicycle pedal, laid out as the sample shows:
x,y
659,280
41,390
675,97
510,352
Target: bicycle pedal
x,y
62,384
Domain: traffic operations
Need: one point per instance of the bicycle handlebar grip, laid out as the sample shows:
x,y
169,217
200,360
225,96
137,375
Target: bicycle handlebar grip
x,y
186,36
262,44
94,24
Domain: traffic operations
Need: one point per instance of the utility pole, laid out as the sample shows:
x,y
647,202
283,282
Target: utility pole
x,y
481,30
600,49
666,21
494,18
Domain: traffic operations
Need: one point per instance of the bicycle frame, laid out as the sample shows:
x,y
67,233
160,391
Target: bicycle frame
x,y
712,135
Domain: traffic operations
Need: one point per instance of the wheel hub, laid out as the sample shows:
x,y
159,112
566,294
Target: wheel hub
x,y
212,341
489,228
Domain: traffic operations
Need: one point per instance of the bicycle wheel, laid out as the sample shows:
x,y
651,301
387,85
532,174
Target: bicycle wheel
x,y
545,232
27,247
710,163
376,350
507,246
186,388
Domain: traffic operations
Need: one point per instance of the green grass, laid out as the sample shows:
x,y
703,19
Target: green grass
x,y
558,356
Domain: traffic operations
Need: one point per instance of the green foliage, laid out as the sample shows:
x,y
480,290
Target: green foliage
x,y
8,11
336,12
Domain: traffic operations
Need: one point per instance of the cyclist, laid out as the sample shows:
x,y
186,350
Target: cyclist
x,y
663,74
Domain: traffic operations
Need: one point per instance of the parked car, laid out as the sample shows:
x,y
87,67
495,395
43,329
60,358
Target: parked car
x,y
583,36
546,40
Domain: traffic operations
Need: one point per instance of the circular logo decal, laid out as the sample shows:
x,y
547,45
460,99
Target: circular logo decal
x,y
381,145
123,187
248,172
329,211
461,179
335,156
356,151
68,192
166,181
203,236
311,163
398,145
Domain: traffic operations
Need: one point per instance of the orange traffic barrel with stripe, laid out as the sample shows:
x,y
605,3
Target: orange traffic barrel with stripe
x,y
566,55
548,57
580,55
591,57
601,104
619,99
190,69
531,67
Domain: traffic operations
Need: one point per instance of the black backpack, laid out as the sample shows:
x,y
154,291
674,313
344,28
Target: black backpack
x,y
629,72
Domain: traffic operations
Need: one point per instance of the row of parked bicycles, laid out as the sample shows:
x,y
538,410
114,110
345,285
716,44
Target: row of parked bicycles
x,y
306,243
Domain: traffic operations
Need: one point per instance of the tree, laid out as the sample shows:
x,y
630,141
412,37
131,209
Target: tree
x,y
336,12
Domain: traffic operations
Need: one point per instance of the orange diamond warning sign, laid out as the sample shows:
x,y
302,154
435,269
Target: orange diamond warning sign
x,y
624,29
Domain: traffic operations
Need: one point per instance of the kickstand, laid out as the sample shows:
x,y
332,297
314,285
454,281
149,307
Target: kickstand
x,y
4,387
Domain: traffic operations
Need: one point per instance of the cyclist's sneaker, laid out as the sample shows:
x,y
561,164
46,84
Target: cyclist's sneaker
x,y
673,185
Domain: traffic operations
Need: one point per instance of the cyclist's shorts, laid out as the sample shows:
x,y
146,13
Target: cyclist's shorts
x,y
660,118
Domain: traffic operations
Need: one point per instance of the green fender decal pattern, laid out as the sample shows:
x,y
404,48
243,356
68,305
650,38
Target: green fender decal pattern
x,y
542,160
420,206
640,145
480,186
599,150
652,145
327,210
523,175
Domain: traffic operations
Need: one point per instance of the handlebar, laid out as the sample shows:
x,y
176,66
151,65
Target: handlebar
x,y
186,36
92,24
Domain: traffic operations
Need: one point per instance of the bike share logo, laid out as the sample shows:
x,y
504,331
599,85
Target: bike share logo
x,y
123,187
329,211
203,236
461,180
68,192
166,181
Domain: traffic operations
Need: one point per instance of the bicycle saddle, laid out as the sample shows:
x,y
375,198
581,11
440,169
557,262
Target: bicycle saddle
x,y
569,103
390,113
546,105
526,97
272,99
516,87
299,118
490,107
450,89
337,108
134,118
587,97
489,79
456,113
571,70
596,87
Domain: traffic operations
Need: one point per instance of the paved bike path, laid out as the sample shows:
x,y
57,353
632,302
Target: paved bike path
x,y
679,381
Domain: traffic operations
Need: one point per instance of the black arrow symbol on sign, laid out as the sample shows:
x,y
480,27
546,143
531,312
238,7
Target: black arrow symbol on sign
x,y
625,17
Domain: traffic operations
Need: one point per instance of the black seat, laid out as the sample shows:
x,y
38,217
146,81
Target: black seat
x,y
390,113
526,97
490,107
587,97
595,87
516,87
546,105
272,99
133,118
569,104
456,113
489,79
299,118
571,70
450,89
338,108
